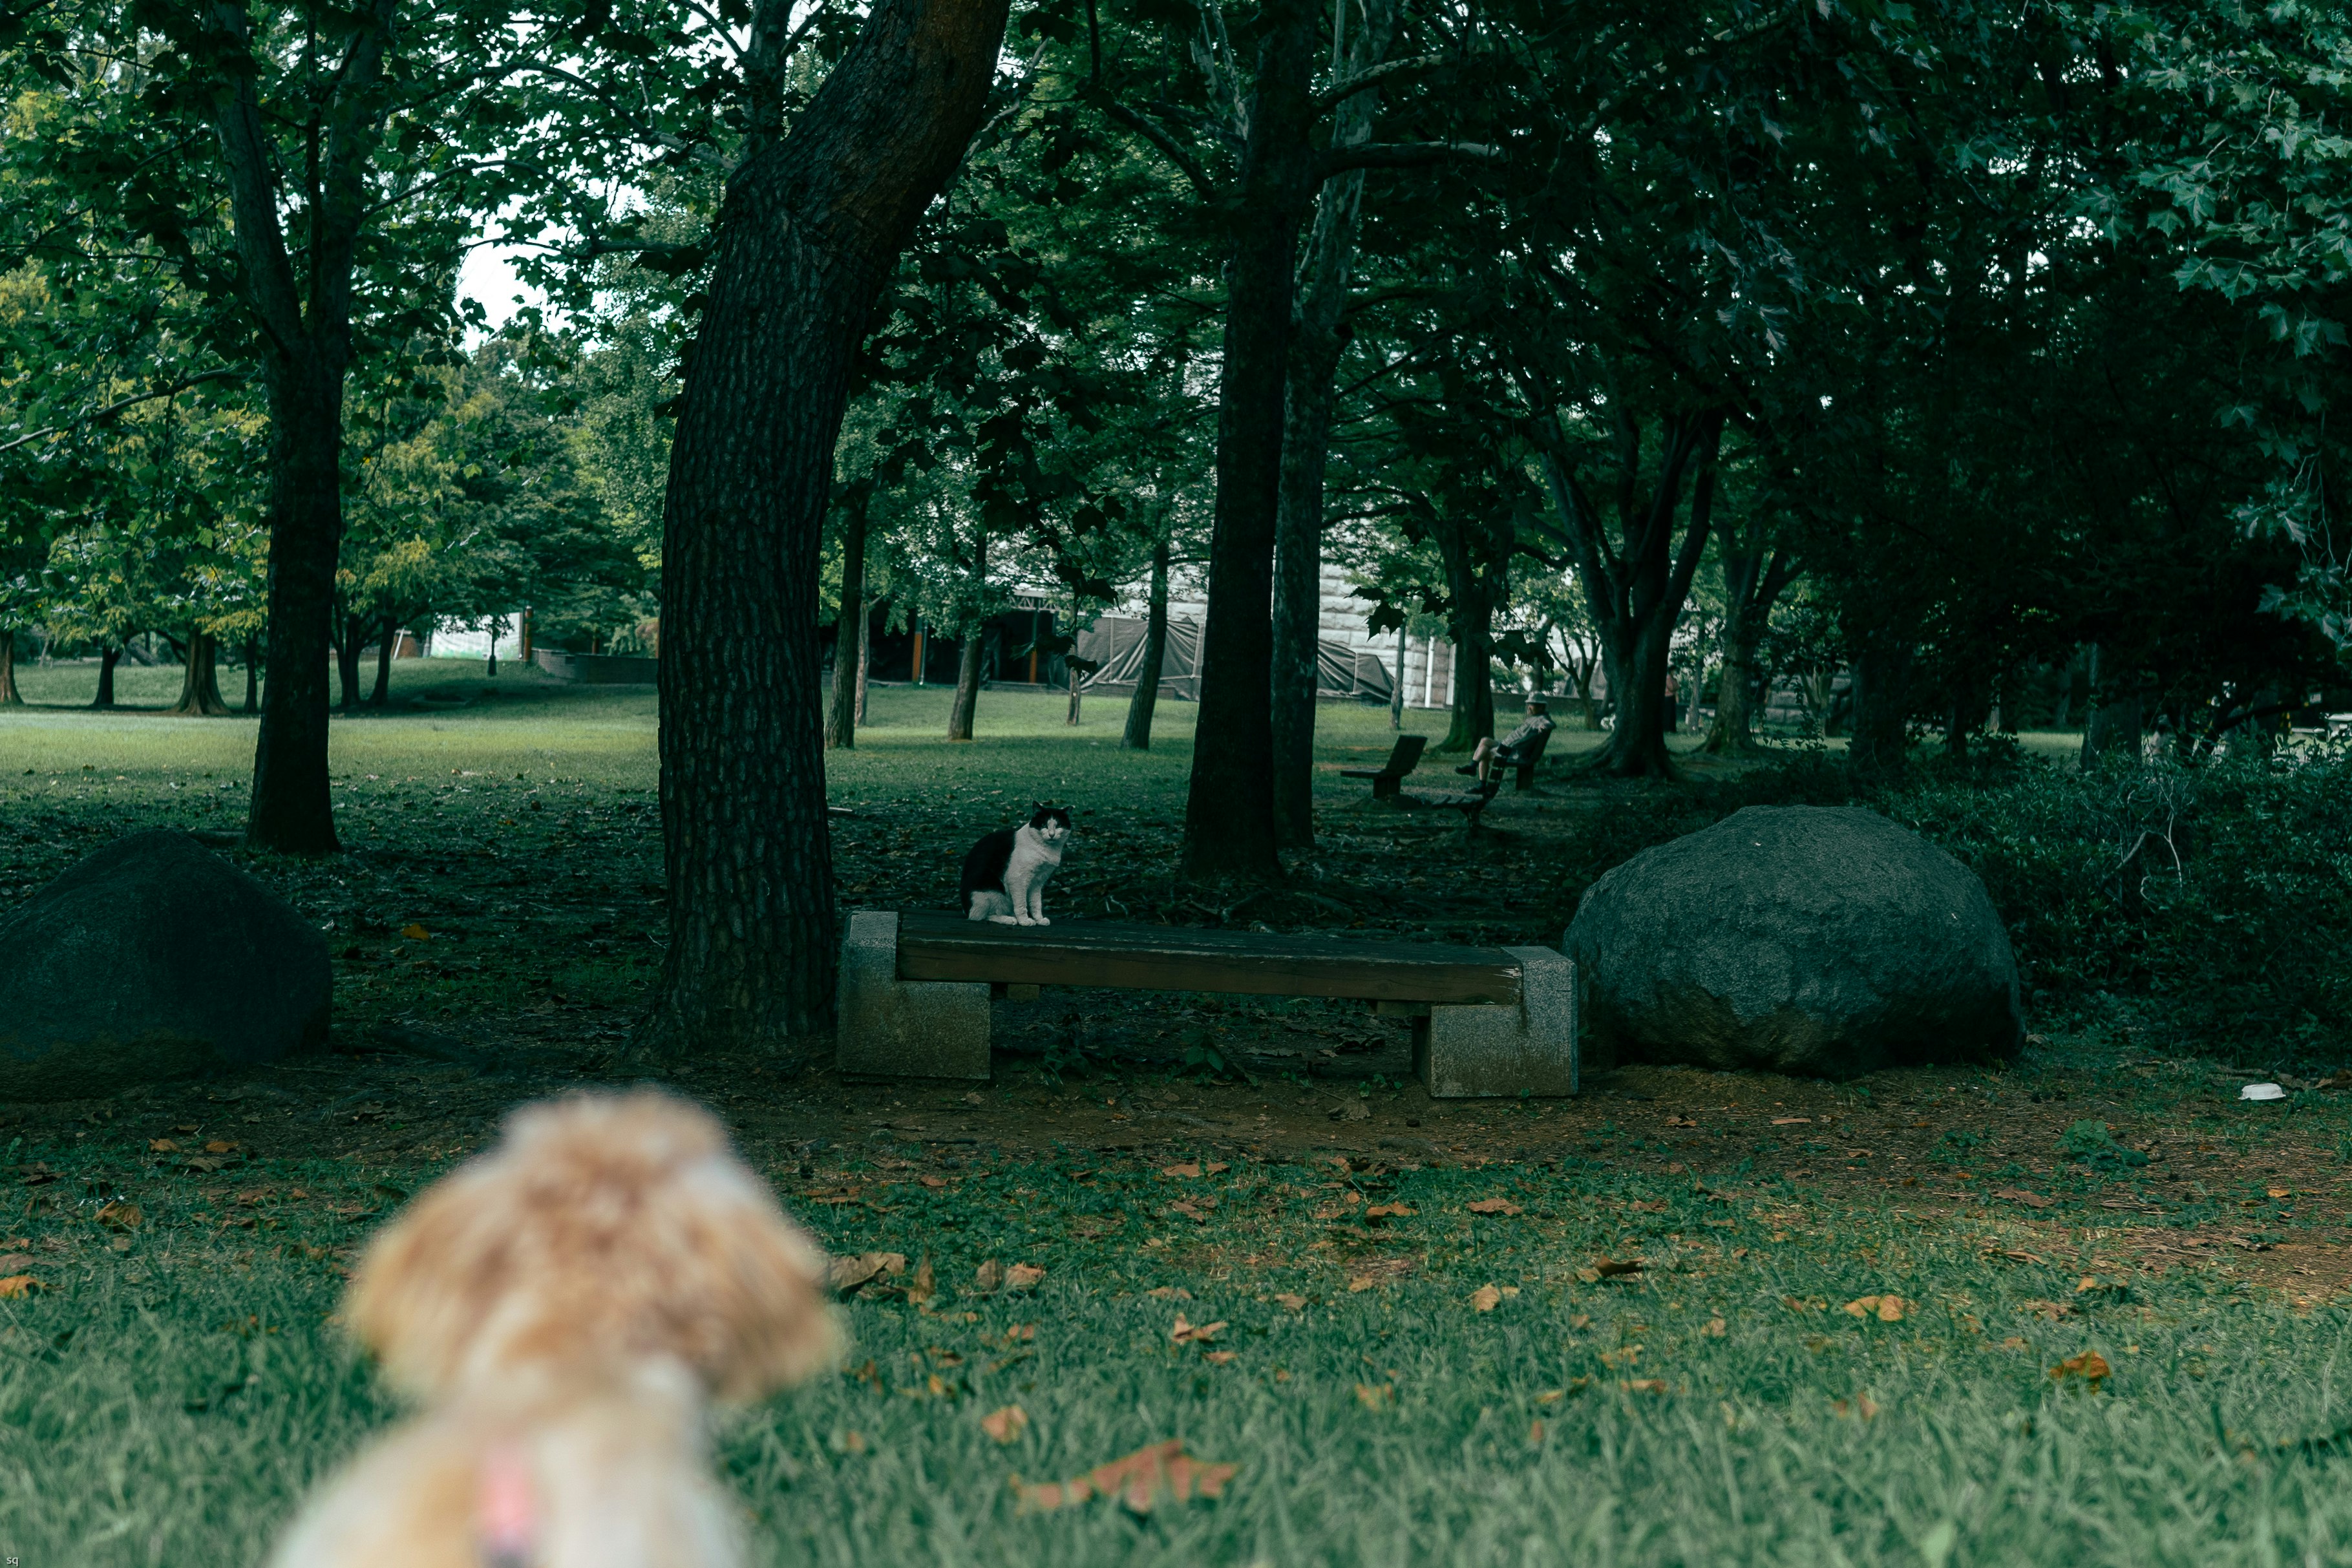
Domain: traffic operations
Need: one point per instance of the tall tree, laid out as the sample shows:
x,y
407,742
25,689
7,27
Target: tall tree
x,y
811,225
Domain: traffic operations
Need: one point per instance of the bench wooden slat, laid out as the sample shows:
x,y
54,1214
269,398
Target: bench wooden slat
x,y
934,946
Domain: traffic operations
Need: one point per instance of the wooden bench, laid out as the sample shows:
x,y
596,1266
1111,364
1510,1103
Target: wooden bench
x,y
1471,803
1403,759
1521,760
915,990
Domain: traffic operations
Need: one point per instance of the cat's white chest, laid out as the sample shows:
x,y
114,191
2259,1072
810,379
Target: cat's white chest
x,y
1033,859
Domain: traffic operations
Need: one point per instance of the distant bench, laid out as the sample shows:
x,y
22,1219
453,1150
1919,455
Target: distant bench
x,y
915,990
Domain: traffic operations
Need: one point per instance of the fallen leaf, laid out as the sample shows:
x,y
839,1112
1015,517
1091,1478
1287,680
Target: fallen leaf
x,y
1188,1168
1388,1211
1716,1328
1644,1385
1186,1333
2031,1200
1486,1298
2090,1366
1139,1481
1357,1282
1214,1166
1885,1309
1655,1205
2012,1344
163,1146
1023,1277
989,1276
1790,1120
848,1273
414,932
1296,1303
1680,1122
121,1215
1374,1396
1219,1357
2282,1192
1611,1268
1495,1205
934,1182
2052,1310
220,1146
1864,1405
16,1262
2014,1255
1534,1431
16,1284
1170,1293
925,1286
1005,1426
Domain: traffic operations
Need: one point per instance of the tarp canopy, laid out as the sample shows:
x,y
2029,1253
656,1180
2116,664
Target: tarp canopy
x,y
1116,642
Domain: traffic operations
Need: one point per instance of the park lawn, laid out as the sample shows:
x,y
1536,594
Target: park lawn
x,y
174,1380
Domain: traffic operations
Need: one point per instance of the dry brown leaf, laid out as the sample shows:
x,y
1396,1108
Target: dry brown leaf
x,y
849,1273
1139,1482
163,1146
220,1146
1680,1122
925,1286
1551,1396
2280,1192
1716,1328
1186,1333
2031,1200
1357,1282
1375,1397
1218,1357
2053,1310
1644,1385
1023,1277
1005,1426
16,1262
121,1215
1169,1293
988,1276
1863,1405
1885,1309
2090,1366
1188,1169
414,932
1388,1211
1790,1120
1611,1268
16,1284
1654,1206
1495,1206
1296,1303
1486,1298
1534,1431
934,1182
1215,1167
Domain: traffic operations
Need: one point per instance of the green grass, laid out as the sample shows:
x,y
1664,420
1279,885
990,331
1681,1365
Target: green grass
x,y
170,1403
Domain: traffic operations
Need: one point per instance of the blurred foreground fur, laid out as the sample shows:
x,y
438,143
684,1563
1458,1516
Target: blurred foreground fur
x,y
565,1307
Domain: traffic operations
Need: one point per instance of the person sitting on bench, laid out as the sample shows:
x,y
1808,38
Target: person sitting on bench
x,y
1512,749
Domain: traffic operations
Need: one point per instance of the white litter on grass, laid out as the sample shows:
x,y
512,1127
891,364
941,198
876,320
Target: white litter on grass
x,y
2262,1091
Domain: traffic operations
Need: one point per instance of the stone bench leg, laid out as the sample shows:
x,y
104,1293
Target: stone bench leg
x,y
1467,1052
905,1028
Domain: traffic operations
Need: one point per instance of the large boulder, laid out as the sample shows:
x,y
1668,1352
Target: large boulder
x,y
1798,939
152,959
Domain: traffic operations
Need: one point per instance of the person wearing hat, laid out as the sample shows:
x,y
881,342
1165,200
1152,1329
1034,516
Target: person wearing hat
x,y
1491,754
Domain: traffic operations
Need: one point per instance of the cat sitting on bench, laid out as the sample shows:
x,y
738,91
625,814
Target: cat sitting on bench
x,y
1005,876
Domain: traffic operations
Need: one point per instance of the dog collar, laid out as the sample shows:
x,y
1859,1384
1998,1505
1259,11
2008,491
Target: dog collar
x,y
506,1510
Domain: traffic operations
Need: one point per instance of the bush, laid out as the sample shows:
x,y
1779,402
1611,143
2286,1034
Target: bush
x,y
2208,905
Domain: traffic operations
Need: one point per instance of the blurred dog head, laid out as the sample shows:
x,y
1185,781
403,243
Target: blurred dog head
x,y
602,1229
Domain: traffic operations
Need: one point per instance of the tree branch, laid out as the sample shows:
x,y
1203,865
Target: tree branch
x,y
112,409
1403,156
1153,133
1340,92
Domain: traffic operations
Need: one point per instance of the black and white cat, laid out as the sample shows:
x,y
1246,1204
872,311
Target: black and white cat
x,y
1005,876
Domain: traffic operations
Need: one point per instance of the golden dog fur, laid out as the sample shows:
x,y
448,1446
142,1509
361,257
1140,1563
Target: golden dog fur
x,y
565,1307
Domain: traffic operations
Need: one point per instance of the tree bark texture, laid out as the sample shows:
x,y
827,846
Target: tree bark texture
x,y
1473,596
252,675
864,654
810,227
1396,687
106,660
347,667
200,694
305,331
380,694
961,711
1319,338
9,696
1753,578
1636,593
849,632
1229,810
1136,737
1880,731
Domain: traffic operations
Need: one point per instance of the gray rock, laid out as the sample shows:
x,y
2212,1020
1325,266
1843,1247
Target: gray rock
x,y
154,958
1798,938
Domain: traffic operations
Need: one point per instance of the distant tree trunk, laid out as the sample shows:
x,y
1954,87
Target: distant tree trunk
x,y
1472,599
1396,689
2116,720
1229,809
967,687
497,624
108,658
1751,585
1138,736
200,685
1636,596
252,675
849,631
347,665
1319,336
1881,709
9,696
864,654
382,695
1077,681
810,228
1697,695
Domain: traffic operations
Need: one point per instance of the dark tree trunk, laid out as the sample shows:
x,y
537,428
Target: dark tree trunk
x,y
1396,688
306,334
967,687
252,675
1319,338
1880,729
382,695
9,696
849,632
864,654
1137,735
1077,679
1229,810
2115,717
1637,595
106,660
811,225
200,694
1750,588
347,666
1472,599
